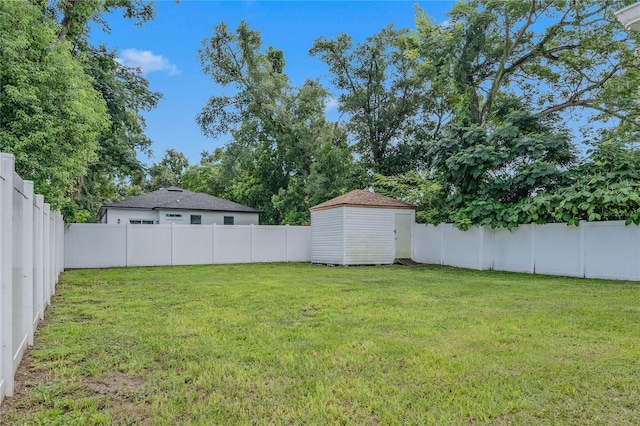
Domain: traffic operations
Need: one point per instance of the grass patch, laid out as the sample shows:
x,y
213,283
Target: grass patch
x,y
299,343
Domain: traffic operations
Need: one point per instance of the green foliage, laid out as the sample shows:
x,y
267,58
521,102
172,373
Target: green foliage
x,y
424,192
51,117
68,110
168,172
381,95
557,56
277,160
606,186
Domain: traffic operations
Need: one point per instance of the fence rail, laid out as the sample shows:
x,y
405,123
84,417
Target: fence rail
x,y
31,247
608,250
100,245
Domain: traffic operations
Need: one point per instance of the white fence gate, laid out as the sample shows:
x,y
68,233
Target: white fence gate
x,y
31,258
607,250
101,246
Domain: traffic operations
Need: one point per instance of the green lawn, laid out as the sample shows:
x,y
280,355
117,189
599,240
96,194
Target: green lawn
x,y
306,344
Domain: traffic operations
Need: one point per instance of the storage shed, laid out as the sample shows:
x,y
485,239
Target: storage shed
x,y
361,228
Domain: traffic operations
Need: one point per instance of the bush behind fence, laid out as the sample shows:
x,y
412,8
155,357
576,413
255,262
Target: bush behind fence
x,y
31,259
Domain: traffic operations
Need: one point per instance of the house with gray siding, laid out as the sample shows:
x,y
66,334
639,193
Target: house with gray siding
x,y
179,206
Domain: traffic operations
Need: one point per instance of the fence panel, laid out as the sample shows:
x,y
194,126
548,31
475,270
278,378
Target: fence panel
x,y
38,259
513,250
100,245
298,243
462,248
192,244
148,245
27,276
269,244
557,250
611,250
427,243
95,246
6,275
232,244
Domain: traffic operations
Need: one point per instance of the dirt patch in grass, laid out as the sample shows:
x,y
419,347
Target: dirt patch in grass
x,y
120,394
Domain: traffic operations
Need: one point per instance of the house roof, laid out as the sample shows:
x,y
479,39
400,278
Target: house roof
x,y
362,198
174,198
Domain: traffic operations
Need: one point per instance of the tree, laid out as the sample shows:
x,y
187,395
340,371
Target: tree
x,y
482,170
51,117
126,94
381,95
553,56
168,172
278,131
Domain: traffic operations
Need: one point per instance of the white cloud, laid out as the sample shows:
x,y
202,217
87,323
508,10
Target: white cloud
x,y
331,103
146,61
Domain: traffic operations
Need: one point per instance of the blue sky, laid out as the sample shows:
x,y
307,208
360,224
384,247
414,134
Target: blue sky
x,y
166,50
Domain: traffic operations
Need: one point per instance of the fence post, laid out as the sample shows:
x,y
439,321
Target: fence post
x,y
480,248
581,225
6,277
46,232
213,243
27,258
286,242
532,267
173,241
251,243
442,259
127,243
38,260
52,251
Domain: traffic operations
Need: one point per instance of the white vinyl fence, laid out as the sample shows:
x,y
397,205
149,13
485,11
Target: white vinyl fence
x,y
31,247
607,250
101,246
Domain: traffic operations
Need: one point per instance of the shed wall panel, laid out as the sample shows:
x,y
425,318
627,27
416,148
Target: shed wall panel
x,y
369,237
327,236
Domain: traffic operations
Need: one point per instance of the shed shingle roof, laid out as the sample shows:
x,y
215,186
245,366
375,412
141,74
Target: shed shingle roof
x,y
362,198
174,198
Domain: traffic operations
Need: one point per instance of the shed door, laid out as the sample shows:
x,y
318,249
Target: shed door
x,y
403,236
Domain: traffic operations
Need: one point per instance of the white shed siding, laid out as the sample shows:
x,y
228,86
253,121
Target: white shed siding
x,y
327,236
369,237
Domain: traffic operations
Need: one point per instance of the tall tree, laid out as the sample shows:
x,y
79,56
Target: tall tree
x,y
555,56
168,171
380,93
51,117
278,131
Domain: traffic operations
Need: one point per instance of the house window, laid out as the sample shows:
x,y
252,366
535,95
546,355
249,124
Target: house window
x,y
140,222
196,219
228,220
